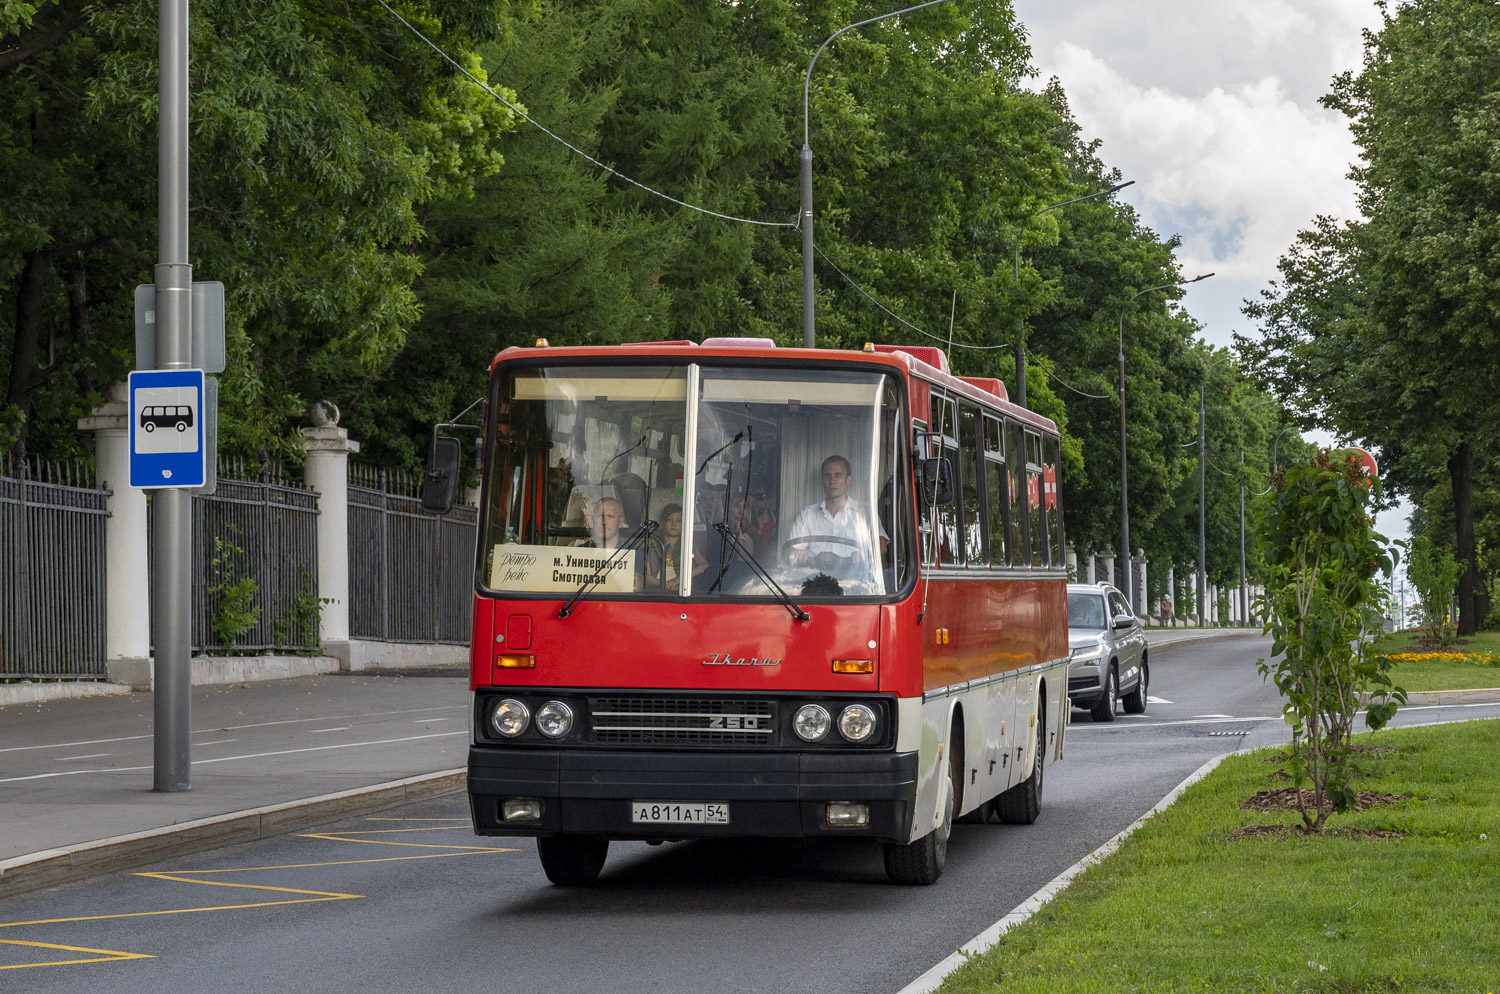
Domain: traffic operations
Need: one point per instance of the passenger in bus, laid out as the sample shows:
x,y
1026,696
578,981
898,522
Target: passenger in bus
x,y
726,552
664,554
836,516
606,519
761,526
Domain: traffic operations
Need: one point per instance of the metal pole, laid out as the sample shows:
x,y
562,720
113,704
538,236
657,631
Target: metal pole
x,y
807,245
1124,485
1244,597
172,545
1020,336
1202,509
806,218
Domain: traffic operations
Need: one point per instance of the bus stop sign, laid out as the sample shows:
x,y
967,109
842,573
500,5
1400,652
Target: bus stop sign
x,y
167,428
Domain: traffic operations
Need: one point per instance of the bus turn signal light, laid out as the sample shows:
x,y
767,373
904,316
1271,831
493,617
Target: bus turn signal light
x,y
516,662
854,666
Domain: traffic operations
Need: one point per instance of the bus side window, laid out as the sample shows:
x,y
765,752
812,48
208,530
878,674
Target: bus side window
x,y
1034,499
973,522
1015,460
924,447
996,502
949,536
1052,499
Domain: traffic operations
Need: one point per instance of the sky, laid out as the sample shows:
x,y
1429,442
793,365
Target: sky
x,y
1213,109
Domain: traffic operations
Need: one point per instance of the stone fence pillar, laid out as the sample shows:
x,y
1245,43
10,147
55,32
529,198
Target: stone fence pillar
x,y
1138,564
127,596
1106,566
327,471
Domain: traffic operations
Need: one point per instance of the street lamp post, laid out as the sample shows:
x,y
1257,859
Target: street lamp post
x,y
1020,397
1124,483
1203,496
1244,591
807,157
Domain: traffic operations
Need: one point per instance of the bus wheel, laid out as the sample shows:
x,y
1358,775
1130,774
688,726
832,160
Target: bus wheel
x,y
1022,803
149,427
922,861
572,860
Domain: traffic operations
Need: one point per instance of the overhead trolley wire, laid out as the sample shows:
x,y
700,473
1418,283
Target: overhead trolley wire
x,y
564,142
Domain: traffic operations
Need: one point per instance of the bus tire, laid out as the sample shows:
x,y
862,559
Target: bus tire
x,y
922,861
1135,701
1104,707
1021,804
572,860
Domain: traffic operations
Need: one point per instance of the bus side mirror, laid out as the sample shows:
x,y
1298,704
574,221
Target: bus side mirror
x,y
937,482
440,482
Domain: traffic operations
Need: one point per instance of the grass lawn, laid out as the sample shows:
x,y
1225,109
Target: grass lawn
x,y
1180,907
1439,674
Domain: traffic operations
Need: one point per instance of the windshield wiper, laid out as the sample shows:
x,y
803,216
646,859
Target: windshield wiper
x,y
647,527
755,567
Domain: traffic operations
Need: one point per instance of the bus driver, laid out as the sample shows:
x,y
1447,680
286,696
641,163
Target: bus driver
x,y
838,517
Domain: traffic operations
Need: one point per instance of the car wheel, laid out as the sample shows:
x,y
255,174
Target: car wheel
x,y
1135,701
1104,708
149,427
1023,803
572,860
922,861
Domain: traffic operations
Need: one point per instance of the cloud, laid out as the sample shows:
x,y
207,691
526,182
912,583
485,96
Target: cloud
x,y
1236,170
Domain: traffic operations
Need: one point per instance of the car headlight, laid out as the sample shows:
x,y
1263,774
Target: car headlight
x,y
510,718
857,723
811,722
554,719
1085,652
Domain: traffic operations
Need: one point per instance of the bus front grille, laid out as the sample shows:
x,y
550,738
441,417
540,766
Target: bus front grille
x,y
682,721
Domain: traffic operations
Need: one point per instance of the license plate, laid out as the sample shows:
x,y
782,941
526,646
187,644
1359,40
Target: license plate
x,y
679,812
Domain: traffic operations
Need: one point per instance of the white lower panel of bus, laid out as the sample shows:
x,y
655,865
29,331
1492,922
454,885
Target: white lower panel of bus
x,y
679,812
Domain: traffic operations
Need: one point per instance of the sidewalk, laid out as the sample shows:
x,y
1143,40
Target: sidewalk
x,y
76,774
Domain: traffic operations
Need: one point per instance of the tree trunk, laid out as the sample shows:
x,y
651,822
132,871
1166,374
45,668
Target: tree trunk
x,y
25,367
1461,473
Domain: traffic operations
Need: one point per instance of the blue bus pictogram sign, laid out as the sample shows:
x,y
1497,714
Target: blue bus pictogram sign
x,y
166,428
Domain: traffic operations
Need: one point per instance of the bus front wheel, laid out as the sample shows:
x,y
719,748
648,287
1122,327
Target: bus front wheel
x,y
922,861
572,860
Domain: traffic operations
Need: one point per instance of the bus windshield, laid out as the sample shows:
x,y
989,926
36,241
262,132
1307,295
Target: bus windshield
x,y
755,479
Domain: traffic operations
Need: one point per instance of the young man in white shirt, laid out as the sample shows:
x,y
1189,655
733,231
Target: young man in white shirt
x,y
836,516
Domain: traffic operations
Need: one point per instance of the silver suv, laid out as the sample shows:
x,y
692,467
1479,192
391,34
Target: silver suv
x,y
1107,652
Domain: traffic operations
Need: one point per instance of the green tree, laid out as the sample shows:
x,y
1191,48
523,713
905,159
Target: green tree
x,y
1385,327
318,130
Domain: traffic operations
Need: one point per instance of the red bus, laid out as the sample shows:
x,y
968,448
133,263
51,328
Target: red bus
x,y
732,589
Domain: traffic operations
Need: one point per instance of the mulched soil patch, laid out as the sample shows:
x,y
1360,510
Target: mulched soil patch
x,y
1285,798
1281,831
1279,775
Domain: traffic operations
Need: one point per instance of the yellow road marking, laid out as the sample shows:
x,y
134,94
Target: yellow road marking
x,y
179,876
385,831
104,955
464,820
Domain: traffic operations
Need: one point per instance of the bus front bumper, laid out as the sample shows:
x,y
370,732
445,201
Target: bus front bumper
x,y
589,792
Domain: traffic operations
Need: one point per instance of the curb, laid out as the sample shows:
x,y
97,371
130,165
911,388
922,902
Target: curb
x,y
51,867
12,694
933,978
1195,639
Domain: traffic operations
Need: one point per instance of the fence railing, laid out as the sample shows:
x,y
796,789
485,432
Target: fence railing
x,y
52,595
255,556
411,574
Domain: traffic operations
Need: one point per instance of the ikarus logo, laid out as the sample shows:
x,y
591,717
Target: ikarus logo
x,y
730,659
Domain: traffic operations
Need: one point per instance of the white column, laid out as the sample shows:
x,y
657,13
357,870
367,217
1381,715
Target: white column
x,y
1070,559
327,471
1106,561
1138,586
127,594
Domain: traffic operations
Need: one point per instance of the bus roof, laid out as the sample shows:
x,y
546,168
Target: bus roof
x,y
925,362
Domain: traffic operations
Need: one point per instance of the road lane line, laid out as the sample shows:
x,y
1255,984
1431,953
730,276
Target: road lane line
x,y
341,728
216,742
92,755
104,955
227,759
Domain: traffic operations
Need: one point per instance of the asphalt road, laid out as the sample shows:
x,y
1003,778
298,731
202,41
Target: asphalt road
x,y
410,900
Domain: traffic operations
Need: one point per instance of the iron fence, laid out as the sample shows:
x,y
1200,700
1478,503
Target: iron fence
x,y
411,574
52,611
255,563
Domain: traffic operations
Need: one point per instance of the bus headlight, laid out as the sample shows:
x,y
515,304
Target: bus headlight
x,y
811,722
857,723
554,719
510,718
